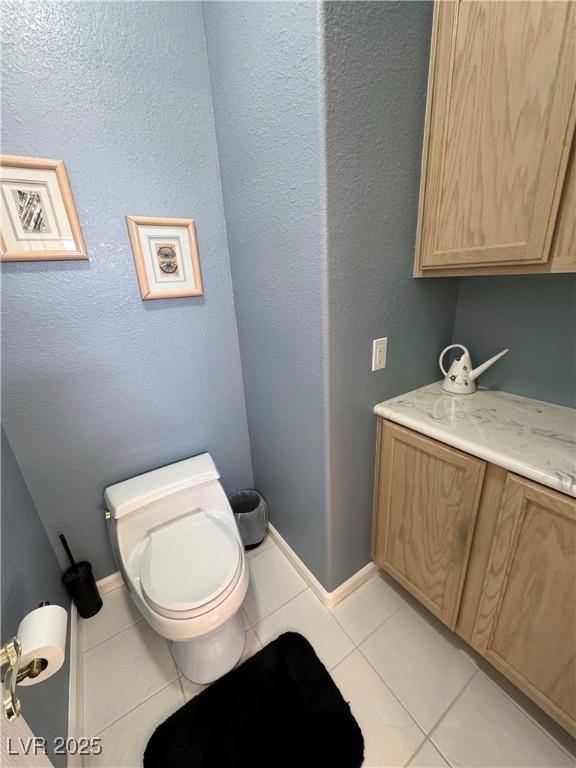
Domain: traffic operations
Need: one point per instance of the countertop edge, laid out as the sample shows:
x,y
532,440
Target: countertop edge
x,y
473,449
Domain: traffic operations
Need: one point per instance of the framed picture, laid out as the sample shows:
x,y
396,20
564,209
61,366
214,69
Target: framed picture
x,y
166,257
38,218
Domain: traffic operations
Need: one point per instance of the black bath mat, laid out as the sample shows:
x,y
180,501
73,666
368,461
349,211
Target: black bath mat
x,y
279,709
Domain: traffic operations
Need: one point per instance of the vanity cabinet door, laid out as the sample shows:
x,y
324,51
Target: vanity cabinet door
x,y
499,126
427,497
526,620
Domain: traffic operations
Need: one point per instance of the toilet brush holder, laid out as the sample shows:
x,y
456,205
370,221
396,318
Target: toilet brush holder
x,y
80,585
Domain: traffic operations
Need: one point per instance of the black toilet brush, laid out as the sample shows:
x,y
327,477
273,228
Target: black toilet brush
x,y
80,584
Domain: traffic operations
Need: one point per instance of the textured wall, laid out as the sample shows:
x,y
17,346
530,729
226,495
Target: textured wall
x,y
30,574
535,317
376,74
98,385
326,109
266,80
319,124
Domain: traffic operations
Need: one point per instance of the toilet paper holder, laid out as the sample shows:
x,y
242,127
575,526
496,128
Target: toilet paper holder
x,y
11,654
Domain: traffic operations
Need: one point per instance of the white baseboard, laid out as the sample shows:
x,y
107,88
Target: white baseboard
x,y
115,580
329,599
75,684
109,583
75,690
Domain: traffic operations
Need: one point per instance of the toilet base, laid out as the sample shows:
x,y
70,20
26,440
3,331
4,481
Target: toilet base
x,y
205,658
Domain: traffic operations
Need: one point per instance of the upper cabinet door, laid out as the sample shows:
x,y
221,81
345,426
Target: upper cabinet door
x,y
564,244
500,121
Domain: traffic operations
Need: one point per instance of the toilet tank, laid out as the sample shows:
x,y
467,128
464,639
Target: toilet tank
x,y
133,494
144,502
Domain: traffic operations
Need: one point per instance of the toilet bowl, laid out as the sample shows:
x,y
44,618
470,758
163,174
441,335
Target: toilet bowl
x,y
177,546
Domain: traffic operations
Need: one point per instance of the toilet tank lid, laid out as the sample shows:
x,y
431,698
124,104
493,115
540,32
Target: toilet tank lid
x,y
129,495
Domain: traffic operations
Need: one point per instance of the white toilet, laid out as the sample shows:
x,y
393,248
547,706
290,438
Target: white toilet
x,y
177,546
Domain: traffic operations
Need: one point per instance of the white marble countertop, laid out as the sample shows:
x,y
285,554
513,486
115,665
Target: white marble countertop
x,y
529,437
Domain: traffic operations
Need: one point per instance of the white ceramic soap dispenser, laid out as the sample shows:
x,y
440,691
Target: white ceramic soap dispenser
x,y
461,377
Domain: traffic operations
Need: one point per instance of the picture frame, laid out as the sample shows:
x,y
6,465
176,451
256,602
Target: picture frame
x,y
38,217
165,256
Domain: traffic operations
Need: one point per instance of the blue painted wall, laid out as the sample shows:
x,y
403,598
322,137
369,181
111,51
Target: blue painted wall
x,y
535,317
266,77
98,385
31,574
376,75
319,114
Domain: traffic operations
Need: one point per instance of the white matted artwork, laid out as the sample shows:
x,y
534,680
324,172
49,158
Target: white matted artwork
x,y
166,257
38,218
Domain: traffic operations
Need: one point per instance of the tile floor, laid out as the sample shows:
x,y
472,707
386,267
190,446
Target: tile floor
x,y
420,700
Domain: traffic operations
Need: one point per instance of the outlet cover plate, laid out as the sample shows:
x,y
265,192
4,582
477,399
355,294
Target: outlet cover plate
x,y
379,350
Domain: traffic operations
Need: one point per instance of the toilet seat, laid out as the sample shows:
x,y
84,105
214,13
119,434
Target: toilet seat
x,y
189,565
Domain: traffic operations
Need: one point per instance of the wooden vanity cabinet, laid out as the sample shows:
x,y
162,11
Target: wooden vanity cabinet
x,y
428,498
497,184
526,618
491,554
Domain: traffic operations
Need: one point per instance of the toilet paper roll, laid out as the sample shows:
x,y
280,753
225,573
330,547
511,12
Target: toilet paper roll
x,y
42,633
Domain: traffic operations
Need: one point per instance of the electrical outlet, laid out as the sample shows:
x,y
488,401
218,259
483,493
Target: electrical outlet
x,y
379,349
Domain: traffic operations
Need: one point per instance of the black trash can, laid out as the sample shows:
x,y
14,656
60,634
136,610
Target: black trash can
x,y
251,513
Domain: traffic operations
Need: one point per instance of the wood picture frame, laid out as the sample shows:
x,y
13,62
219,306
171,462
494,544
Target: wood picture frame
x,y
165,256
38,217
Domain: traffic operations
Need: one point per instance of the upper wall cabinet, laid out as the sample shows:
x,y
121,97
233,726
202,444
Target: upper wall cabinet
x,y
498,187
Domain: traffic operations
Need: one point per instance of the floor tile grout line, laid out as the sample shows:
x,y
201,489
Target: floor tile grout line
x,y
330,609
477,669
525,712
413,755
257,554
341,661
394,695
98,644
306,586
340,625
446,712
399,700
201,686
480,671
143,701
373,632
252,626
356,645
341,602
442,755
